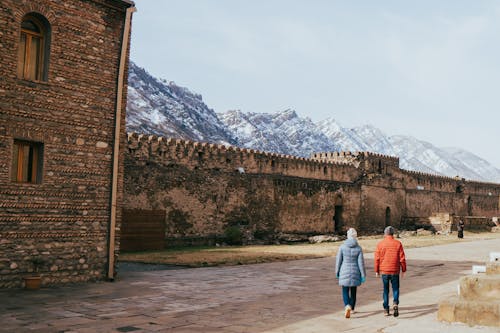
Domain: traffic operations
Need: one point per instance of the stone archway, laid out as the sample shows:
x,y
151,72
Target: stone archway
x,y
338,222
387,216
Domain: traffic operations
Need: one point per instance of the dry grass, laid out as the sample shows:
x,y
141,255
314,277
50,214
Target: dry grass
x,y
239,255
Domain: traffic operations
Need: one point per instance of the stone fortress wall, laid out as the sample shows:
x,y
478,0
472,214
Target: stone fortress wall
x,y
206,188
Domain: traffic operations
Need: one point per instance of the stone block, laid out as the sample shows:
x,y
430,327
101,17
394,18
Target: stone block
x,y
480,287
423,232
484,313
493,268
476,269
323,238
446,310
495,257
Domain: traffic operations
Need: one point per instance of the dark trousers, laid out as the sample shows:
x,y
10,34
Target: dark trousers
x,y
394,280
349,296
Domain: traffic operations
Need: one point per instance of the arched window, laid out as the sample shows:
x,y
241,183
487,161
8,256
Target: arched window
x,y
33,48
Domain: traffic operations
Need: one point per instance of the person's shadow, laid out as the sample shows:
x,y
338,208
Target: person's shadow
x,y
408,312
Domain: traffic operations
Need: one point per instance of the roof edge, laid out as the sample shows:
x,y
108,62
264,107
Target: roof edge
x,y
130,2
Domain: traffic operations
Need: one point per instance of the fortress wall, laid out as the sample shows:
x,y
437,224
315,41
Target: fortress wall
x,y
424,181
381,206
483,205
453,195
422,203
196,155
206,188
368,161
490,189
203,204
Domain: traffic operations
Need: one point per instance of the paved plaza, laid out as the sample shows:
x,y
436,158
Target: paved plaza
x,y
286,297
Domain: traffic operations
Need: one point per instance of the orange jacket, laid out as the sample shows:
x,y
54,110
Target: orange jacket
x,y
390,256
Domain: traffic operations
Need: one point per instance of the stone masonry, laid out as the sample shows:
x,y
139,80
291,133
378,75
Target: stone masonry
x,y
478,299
204,189
63,218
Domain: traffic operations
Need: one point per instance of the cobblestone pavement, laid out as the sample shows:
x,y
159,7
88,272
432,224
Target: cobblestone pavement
x,y
295,296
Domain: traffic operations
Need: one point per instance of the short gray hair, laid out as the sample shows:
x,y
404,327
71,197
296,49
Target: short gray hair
x,y
389,231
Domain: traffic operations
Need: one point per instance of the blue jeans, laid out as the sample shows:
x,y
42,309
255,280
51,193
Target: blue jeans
x,y
349,296
394,279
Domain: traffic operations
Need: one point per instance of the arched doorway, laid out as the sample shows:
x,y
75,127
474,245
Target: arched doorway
x,y
387,216
338,221
338,224
469,206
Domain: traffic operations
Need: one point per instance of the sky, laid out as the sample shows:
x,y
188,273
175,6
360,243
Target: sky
x,y
428,69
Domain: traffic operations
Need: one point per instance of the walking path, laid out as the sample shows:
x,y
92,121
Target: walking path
x,y
417,310
291,297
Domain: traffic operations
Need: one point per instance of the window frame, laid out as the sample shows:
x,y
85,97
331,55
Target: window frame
x,y
27,169
25,63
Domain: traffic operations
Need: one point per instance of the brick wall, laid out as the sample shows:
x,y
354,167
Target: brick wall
x,y
65,218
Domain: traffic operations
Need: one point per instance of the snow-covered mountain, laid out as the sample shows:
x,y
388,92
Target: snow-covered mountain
x,y
282,132
159,107
163,108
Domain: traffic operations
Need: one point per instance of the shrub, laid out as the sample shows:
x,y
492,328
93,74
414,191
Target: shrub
x,y
262,234
233,236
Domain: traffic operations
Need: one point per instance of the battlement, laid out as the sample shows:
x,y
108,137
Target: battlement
x,y
423,177
156,143
428,176
358,154
230,158
368,161
342,166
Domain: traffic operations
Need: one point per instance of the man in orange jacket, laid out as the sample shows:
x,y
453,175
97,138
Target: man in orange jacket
x,y
389,261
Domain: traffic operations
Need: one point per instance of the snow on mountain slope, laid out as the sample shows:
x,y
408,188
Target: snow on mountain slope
x,y
473,162
157,107
161,108
282,132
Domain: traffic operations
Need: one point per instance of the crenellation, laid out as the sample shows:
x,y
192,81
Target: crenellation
x,y
407,193
229,156
320,165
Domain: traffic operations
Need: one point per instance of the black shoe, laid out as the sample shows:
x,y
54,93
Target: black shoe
x,y
396,310
386,312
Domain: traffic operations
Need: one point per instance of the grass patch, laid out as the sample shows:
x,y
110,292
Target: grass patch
x,y
202,256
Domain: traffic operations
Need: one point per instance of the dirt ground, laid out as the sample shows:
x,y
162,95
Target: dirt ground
x,y
240,255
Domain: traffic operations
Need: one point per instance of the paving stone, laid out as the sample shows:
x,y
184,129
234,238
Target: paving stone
x,y
244,299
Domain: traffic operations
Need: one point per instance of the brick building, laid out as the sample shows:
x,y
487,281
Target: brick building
x,y
63,73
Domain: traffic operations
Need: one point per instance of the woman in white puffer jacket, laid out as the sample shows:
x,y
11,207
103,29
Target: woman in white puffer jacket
x,y
350,270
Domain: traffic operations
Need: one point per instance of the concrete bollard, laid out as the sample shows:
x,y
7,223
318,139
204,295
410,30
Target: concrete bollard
x,y
494,256
476,269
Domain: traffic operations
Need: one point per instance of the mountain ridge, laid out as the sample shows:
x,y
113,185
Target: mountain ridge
x,y
162,108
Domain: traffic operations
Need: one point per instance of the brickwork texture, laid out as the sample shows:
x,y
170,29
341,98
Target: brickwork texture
x,y
62,220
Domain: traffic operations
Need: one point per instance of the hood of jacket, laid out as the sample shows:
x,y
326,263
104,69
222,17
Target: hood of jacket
x,y
351,242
